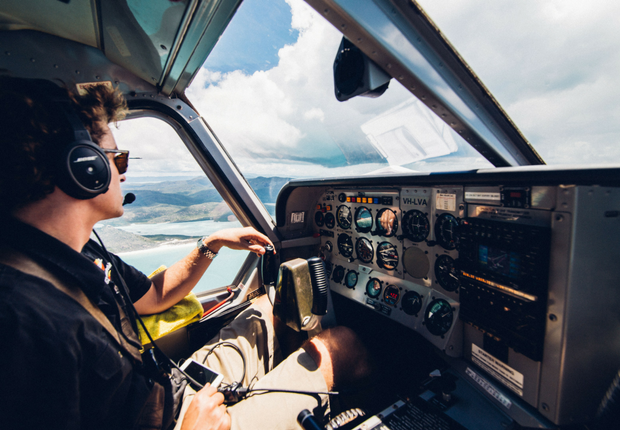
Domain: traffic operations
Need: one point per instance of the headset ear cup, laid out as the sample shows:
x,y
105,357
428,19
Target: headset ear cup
x,y
83,170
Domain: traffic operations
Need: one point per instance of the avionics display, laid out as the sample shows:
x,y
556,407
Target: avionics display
x,y
500,261
503,274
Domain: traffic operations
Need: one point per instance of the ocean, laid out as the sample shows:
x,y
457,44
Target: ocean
x,y
220,273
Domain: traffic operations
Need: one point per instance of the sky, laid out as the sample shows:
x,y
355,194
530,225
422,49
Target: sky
x,y
552,65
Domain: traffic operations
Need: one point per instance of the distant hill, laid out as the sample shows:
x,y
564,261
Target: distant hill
x,y
175,201
188,200
117,240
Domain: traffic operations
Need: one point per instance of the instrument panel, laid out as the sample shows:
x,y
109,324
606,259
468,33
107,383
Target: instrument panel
x,y
509,277
393,250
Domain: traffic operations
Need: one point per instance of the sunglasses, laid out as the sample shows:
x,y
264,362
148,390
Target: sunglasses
x,y
121,159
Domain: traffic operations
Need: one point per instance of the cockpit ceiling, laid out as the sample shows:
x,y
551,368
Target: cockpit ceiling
x,y
163,42
54,17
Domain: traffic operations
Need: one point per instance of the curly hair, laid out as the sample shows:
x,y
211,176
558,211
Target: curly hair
x,y
34,132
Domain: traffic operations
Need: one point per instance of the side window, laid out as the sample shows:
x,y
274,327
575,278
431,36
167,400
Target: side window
x,y
175,205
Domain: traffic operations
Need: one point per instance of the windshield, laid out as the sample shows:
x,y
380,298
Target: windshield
x,y
552,65
267,91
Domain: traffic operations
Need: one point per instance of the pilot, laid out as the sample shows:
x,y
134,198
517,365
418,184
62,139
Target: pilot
x,y
62,368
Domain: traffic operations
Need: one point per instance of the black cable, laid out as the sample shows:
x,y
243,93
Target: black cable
x,y
232,345
284,390
127,298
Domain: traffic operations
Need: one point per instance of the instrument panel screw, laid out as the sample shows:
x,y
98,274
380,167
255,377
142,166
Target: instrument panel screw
x,y
545,407
553,317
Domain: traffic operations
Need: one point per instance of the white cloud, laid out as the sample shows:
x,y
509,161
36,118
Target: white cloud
x,y
159,147
314,113
257,115
553,65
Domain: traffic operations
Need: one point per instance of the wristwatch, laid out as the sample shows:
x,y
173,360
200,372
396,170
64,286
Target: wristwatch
x,y
204,250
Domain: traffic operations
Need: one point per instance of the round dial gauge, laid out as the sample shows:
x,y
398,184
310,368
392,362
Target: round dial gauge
x,y
343,216
338,274
350,281
330,220
387,223
412,303
319,219
416,226
373,288
345,245
446,274
447,231
363,219
364,250
391,295
387,256
438,317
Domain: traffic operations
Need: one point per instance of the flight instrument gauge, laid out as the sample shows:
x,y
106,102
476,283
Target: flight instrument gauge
x,y
343,216
330,220
363,219
438,317
446,274
364,250
319,219
386,222
387,256
391,294
338,274
412,303
345,245
373,288
350,281
447,231
415,226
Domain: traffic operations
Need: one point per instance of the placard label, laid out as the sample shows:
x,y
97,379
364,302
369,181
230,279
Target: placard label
x,y
500,370
489,388
471,195
445,202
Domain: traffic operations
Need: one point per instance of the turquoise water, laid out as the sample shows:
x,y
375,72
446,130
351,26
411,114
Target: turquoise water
x,y
193,228
222,270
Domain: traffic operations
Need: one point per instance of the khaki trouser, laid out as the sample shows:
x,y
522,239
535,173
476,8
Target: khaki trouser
x,y
255,336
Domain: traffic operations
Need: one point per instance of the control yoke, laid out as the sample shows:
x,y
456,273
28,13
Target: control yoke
x,y
301,293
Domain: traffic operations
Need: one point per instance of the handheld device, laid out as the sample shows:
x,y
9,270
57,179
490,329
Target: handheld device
x,y
201,373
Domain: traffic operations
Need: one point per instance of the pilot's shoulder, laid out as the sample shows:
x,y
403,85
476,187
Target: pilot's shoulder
x,y
29,303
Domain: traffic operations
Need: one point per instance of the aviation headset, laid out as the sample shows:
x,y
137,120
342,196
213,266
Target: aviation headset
x,y
83,169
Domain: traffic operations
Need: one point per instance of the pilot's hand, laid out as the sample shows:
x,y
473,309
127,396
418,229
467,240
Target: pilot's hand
x,y
387,221
238,238
207,411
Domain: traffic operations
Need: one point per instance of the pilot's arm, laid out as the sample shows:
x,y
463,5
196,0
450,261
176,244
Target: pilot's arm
x,y
174,283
